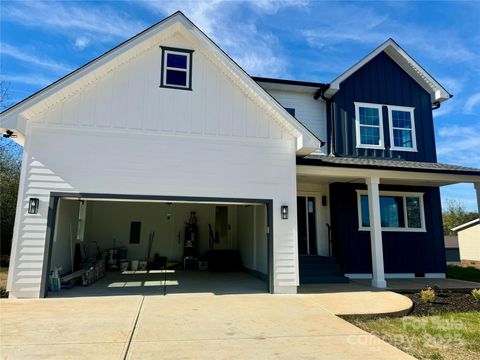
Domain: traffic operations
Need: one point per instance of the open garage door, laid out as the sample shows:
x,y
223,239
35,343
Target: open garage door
x,y
119,245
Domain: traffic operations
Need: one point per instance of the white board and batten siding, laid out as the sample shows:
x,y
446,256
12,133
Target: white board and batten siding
x,y
123,134
310,112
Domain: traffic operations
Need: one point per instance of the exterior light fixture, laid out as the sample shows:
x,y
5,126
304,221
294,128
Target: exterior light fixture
x,y
284,211
33,205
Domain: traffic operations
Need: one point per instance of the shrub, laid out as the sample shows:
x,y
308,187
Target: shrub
x,y
476,294
427,295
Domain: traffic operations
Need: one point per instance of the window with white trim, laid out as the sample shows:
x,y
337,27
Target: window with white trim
x,y
398,211
402,128
176,68
369,126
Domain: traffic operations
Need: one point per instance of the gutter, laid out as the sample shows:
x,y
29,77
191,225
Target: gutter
x,y
321,94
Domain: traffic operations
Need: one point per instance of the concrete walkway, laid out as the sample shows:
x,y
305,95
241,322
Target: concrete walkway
x,y
357,299
252,326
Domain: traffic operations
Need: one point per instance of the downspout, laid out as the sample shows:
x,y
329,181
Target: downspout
x,y
321,94
436,105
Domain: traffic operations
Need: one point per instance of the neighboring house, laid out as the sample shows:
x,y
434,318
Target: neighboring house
x,y
452,252
307,181
469,243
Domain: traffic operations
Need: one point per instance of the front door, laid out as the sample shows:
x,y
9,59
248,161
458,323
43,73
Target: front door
x,y
307,229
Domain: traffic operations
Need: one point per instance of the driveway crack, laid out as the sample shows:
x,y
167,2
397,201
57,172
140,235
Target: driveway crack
x,y
127,349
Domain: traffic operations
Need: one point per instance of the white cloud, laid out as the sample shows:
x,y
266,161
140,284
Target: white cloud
x,y
452,85
81,42
446,108
16,53
258,52
352,24
458,144
272,6
471,103
29,79
61,16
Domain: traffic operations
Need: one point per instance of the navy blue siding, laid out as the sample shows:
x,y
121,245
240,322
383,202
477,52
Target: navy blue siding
x,y
404,252
453,254
382,81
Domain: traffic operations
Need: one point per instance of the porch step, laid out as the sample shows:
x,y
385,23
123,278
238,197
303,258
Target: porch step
x,y
320,269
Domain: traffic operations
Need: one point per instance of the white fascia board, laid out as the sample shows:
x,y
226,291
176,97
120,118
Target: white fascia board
x,y
466,225
15,123
290,88
406,62
432,178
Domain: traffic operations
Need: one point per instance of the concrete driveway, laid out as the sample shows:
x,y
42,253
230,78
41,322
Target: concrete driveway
x,y
255,326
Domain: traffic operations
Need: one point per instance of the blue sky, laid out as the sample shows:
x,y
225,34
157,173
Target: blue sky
x,y
294,39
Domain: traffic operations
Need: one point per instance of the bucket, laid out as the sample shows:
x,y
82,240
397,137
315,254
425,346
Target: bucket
x,y
142,265
124,265
134,265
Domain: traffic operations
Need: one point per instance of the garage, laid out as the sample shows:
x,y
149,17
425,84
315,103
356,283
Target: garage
x,y
104,245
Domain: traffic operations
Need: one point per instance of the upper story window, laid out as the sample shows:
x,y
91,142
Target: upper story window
x,y
369,126
398,211
402,128
176,68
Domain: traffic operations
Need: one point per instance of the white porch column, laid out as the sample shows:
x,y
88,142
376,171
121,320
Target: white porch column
x,y
477,189
378,273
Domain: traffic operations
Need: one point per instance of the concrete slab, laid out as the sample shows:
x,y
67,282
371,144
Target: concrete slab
x,y
249,327
87,351
46,328
357,299
183,327
353,347
177,282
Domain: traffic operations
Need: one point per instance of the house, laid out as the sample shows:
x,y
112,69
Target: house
x,y
452,252
164,145
469,243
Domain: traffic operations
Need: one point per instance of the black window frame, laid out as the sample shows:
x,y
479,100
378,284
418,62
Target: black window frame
x,y
163,64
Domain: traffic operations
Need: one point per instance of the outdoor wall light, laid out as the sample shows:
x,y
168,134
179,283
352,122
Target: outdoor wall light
x,y
284,211
33,205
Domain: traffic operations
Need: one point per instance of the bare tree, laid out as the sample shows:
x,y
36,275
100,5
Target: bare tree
x,y
10,163
455,213
5,100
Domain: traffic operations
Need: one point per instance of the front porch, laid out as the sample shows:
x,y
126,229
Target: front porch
x,y
384,216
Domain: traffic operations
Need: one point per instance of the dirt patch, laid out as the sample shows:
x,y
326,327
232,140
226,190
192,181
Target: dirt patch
x,y
445,301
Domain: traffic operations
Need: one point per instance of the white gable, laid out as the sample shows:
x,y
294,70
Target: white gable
x,y
101,81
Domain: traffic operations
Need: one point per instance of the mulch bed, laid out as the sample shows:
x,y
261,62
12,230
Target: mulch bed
x,y
445,301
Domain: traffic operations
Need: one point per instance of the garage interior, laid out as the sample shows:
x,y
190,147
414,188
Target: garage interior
x,y
104,247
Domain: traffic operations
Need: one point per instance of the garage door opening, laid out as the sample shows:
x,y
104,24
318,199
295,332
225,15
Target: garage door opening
x,y
108,246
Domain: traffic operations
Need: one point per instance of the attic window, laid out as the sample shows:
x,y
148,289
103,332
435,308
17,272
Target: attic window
x,y
176,68
291,111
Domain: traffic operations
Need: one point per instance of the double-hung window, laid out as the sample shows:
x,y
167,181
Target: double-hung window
x,y
402,128
369,126
398,211
176,68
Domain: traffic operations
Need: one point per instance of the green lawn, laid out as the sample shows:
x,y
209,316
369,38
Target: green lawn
x,y
453,335
463,273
